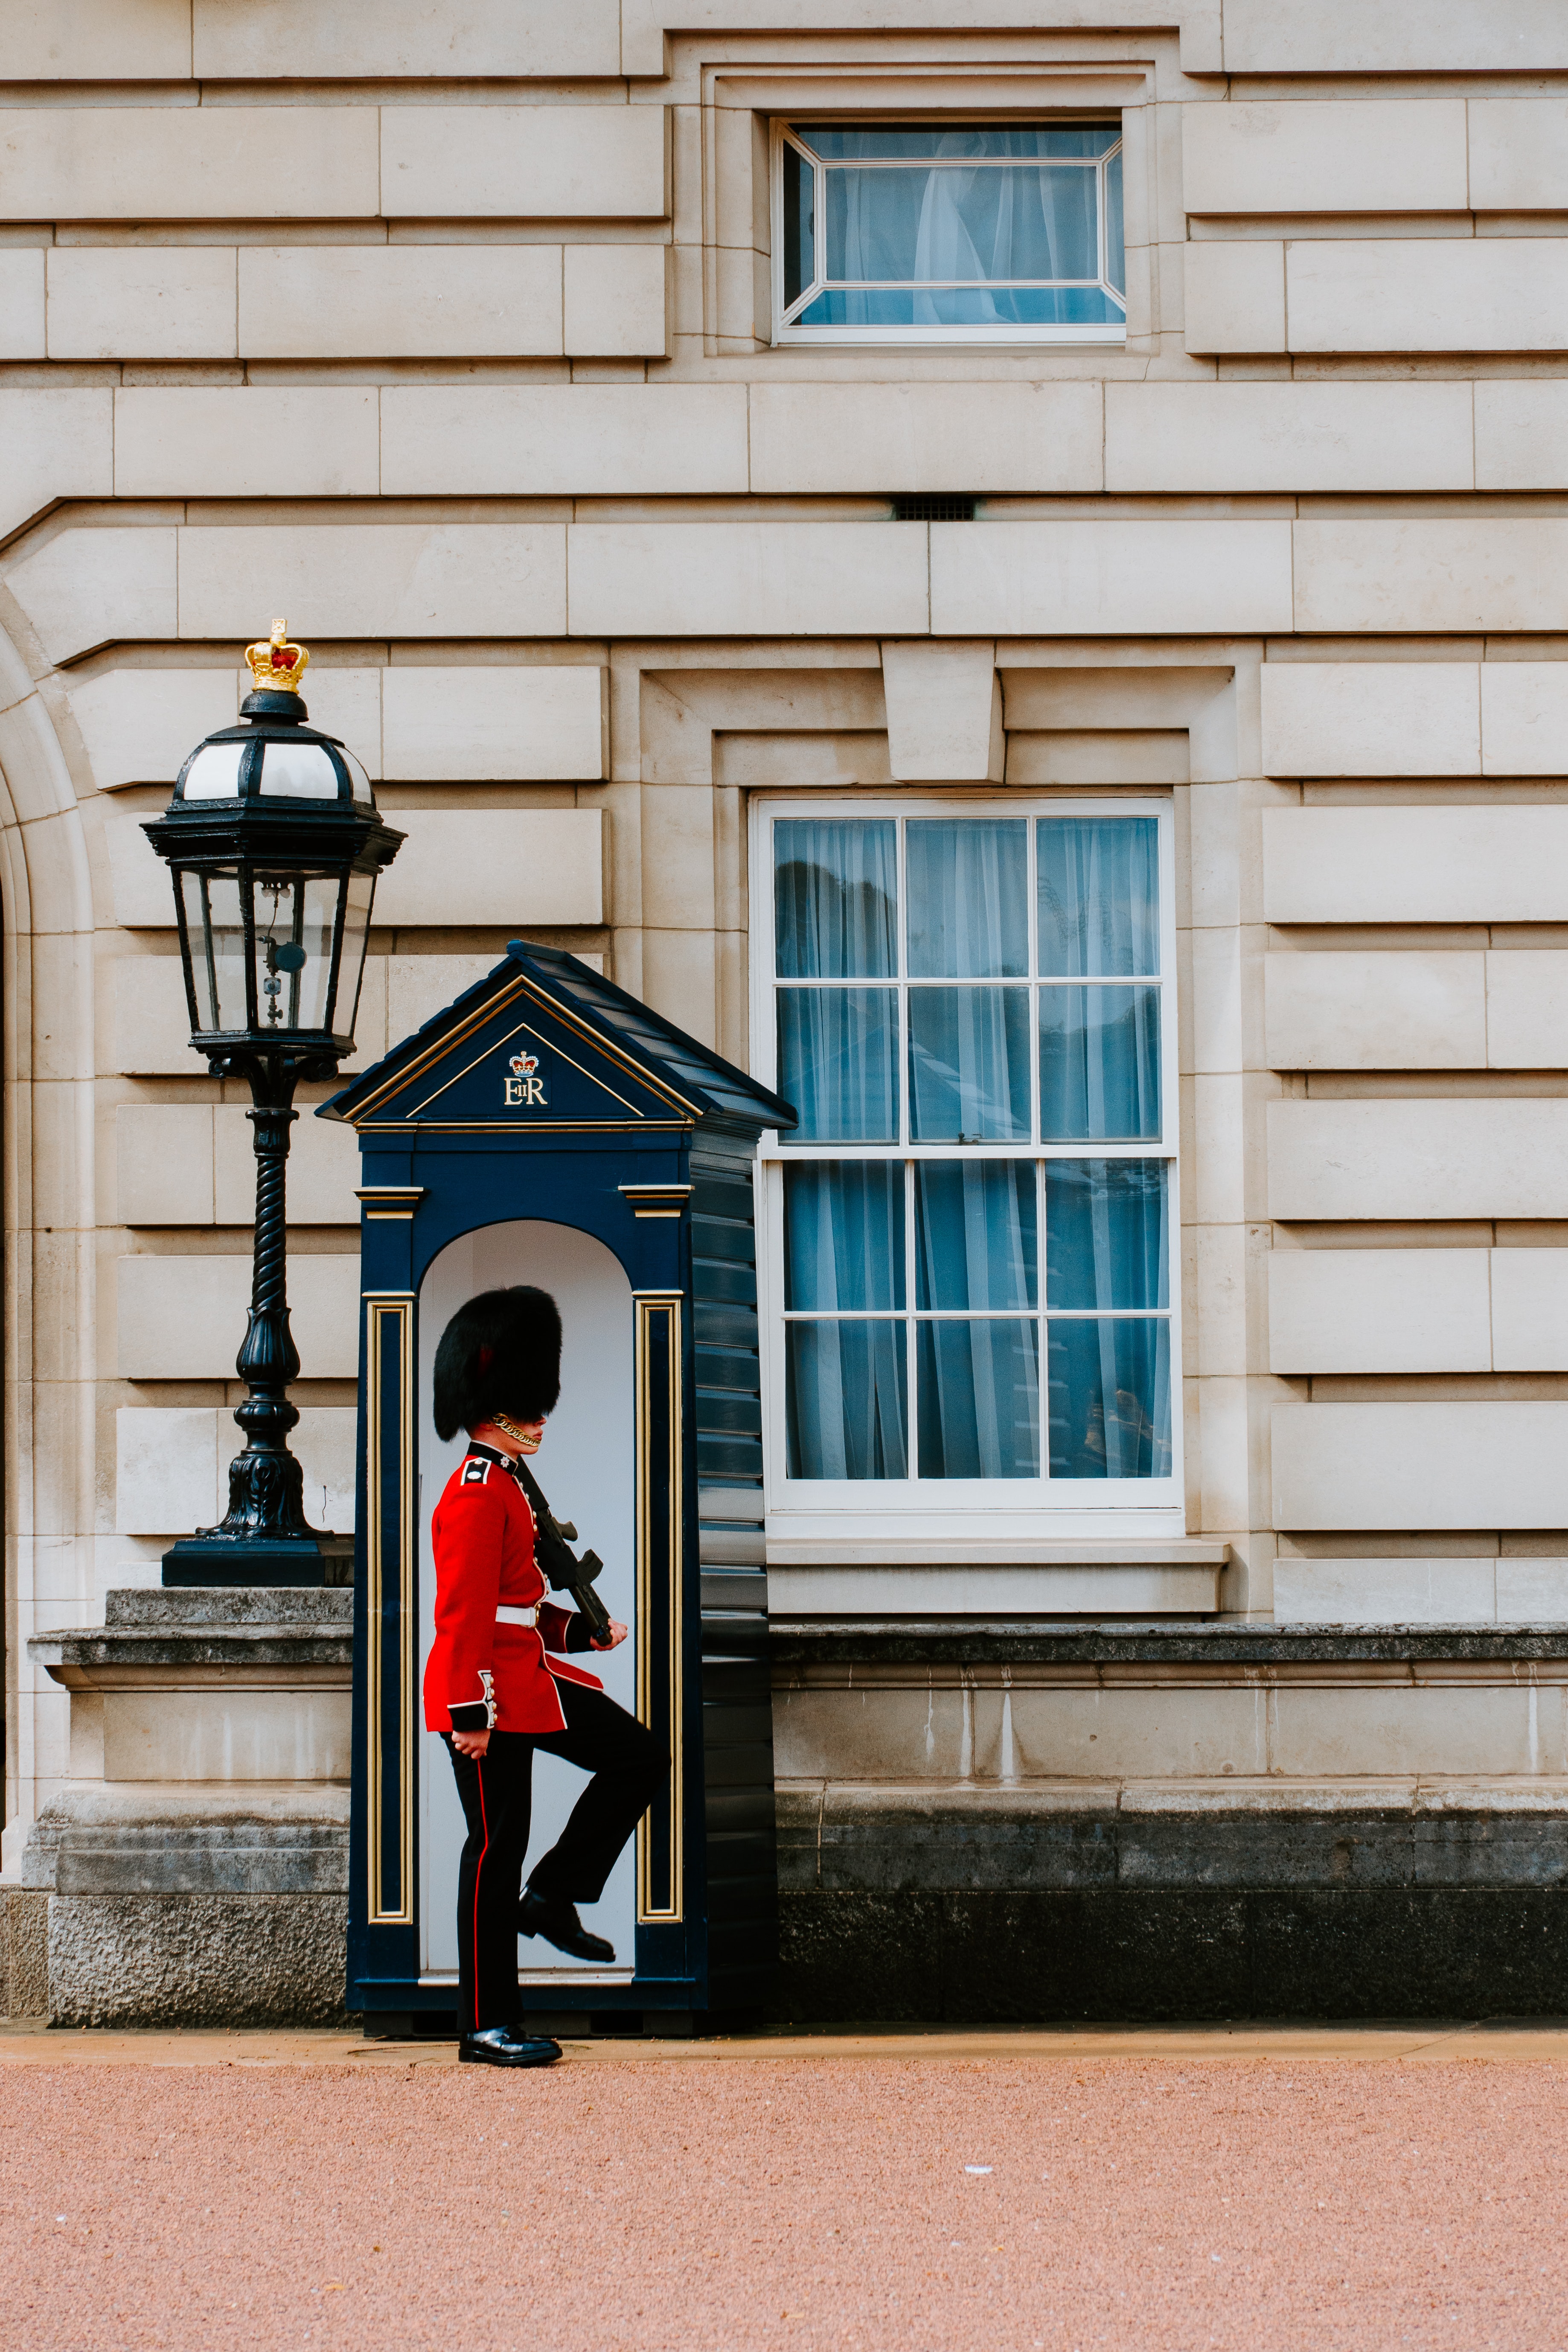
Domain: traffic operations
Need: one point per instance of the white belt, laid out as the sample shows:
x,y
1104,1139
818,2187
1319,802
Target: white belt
x,y
517,1616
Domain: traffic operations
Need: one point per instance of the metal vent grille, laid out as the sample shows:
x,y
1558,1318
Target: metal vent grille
x,y
933,509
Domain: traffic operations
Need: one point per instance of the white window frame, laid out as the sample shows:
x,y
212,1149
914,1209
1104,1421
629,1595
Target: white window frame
x,y
947,1510
785,333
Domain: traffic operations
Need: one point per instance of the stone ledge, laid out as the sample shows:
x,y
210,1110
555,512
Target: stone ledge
x,y
172,1838
297,1629
294,1605
1006,1642
1064,1836
1394,1793
953,1555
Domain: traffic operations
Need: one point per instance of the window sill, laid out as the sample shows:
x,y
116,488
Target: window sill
x,y
956,1552
1178,1577
987,339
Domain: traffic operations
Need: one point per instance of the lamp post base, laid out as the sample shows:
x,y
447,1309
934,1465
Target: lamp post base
x,y
221,1562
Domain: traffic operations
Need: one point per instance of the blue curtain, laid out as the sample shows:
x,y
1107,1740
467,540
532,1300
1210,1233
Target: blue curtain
x,y
977,1243
1100,895
836,899
1111,1397
969,1065
968,888
1100,1064
844,1236
838,1063
1108,1247
979,1398
978,1381
846,1400
974,1235
846,1407
1107,1233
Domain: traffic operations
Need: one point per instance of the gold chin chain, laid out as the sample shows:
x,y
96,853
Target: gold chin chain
x,y
529,1441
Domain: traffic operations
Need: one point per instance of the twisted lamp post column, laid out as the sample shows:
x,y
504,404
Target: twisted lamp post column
x,y
266,1483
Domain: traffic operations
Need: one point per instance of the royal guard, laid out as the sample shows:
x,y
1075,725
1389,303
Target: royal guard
x,y
497,1685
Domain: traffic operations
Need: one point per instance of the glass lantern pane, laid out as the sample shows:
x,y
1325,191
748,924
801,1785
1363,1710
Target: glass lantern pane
x,y
214,773
363,790
295,916
216,935
360,896
297,772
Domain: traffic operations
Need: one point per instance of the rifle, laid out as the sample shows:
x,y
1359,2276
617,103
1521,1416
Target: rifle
x,y
563,1571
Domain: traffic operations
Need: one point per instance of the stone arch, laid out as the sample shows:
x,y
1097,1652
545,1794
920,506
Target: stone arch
x,y
48,1033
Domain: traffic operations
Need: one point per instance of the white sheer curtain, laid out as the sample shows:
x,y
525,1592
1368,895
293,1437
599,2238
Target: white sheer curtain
x,y
978,224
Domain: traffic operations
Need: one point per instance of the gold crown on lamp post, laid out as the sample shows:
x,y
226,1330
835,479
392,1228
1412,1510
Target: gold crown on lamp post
x,y
276,664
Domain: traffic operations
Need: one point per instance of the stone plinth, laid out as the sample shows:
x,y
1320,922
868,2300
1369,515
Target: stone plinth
x,y
1012,1823
197,1871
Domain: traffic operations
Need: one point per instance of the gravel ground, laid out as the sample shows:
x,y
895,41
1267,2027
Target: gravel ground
x,y
939,2204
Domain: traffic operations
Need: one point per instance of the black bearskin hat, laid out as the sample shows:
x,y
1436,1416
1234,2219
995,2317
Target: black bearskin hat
x,y
501,1353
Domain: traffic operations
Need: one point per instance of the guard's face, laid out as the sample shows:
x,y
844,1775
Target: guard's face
x,y
531,1434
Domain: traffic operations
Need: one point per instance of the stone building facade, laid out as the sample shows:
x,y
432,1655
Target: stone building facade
x,y
669,426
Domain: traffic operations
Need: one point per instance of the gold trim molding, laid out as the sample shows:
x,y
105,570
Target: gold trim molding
x,y
659,1677
391,1413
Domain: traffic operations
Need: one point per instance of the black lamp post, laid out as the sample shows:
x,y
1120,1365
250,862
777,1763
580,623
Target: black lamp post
x,y
274,844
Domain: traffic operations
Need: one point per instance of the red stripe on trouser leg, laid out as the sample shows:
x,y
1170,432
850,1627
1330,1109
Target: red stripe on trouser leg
x,y
478,1869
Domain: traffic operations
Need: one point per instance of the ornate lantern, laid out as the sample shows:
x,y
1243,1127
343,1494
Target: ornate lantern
x,y
274,844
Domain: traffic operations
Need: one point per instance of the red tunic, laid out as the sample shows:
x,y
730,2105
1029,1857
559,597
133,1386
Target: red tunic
x,y
479,1671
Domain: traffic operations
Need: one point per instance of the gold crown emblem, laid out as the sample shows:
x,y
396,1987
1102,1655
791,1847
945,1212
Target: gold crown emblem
x,y
276,664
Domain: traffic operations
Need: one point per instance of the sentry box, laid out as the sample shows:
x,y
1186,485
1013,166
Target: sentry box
x,y
547,1128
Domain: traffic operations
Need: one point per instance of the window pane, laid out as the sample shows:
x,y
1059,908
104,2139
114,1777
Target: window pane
x,y
836,899
974,1233
846,1401
1105,1234
965,222
1100,1063
969,1065
838,1052
799,192
979,1400
995,306
1110,1398
867,142
1100,894
1115,247
844,1235
966,889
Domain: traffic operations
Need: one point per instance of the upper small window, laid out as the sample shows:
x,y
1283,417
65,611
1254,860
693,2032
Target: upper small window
x,y
1005,232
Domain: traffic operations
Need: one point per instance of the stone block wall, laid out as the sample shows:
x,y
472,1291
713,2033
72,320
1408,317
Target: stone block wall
x,y
452,337
1045,1904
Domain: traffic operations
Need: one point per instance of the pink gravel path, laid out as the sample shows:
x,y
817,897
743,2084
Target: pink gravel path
x,y
676,2207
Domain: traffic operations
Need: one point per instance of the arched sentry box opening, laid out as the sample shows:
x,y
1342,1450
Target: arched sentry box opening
x,y
547,1128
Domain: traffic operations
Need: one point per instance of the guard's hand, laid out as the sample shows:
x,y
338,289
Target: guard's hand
x,y
470,1743
617,1636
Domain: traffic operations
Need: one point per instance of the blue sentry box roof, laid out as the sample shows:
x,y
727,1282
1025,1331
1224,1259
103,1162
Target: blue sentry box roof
x,y
545,1041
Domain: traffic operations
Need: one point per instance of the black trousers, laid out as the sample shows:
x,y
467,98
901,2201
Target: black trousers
x,y
629,1766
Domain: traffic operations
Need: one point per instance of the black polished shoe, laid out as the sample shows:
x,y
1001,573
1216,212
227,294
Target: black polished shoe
x,y
552,1917
506,2045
